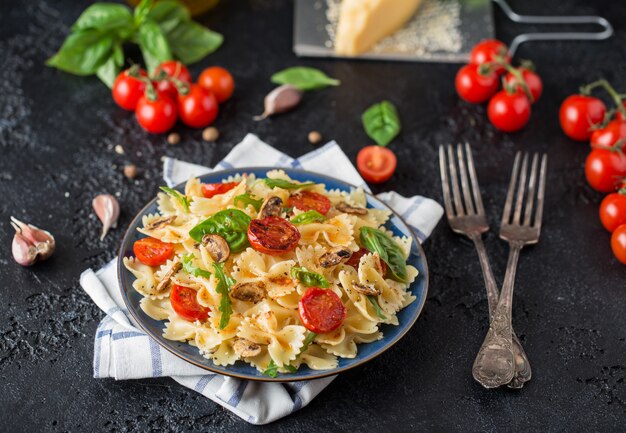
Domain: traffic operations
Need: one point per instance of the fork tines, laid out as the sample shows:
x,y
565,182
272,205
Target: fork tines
x,y
452,168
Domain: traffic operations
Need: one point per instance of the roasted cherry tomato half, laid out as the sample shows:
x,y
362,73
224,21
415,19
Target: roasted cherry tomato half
x,y
509,112
613,210
184,301
487,51
198,107
173,69
152,252
355,258
604,169
475,87
128,88
158,115
607,137
321,310
219,81
376,163
212,189
535,86
618,243
309,200
273,235
578,114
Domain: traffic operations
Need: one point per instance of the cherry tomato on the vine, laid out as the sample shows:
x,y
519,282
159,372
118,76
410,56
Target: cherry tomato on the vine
x,y
174,69
487,51
533,81
618,243
219,81
578,114
604,169
158,115
128,88
619,115
613,210
609,136
198,107
376,163
475,87
509,112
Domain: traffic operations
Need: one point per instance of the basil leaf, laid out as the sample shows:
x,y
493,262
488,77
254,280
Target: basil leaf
x,y
168,14
177,195
154,46
223,288
246,199
285,184
191,42
272,369
308,217
389,251
83,52
379,311
308,278
381,122
307,342
231,224
290,368
104,16
192,269
304,78
141,11
111,68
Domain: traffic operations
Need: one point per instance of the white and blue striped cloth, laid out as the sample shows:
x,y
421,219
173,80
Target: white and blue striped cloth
x,y
123,351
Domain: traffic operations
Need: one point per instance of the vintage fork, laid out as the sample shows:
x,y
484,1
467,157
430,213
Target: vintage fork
x,y
472,222
495,363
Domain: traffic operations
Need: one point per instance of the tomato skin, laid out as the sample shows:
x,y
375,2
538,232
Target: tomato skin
x,y
198,108
184,301
152,252
156,116
618,243
533,81
376,164
219,81
321,310
487,50
613,211
619,115
509,112
578,114
212,189
174,69
273,235
127,90
604,169
355,258
604,138
309,200
474,87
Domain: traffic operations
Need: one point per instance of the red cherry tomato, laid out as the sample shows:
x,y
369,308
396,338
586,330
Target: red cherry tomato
x,y
309,200
321,310
212,189
578,114
128,88
487,51
618,243
532,81
156,116
376,163
607,137
509,112
619,115
152,252
355,258
613,210
604,169
219,81
184,301
198,108
475,87
273,235
174,69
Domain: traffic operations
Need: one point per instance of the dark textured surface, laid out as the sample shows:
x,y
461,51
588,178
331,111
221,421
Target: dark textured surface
x,y
57,134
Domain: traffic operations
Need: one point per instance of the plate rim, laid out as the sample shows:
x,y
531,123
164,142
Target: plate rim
x,y
322,373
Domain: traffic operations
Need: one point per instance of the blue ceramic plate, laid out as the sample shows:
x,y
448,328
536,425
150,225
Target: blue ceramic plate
x,y
366,351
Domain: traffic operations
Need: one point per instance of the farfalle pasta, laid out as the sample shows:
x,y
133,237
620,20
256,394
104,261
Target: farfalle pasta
x,y
270,271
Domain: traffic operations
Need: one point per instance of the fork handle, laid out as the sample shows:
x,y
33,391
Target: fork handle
x,y
493,294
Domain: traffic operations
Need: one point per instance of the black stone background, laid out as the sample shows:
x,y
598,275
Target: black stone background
x,y
57,134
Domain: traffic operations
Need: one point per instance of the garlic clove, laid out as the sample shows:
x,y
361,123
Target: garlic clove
x,y
280,100
24,252
41,242
107,209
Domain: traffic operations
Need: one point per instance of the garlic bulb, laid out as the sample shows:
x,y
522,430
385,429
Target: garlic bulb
x,y
108,210
30,243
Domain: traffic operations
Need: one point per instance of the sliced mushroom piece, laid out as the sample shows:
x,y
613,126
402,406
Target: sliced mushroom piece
x,y
354,210
217,247
335,256
365,289
273,206
249,292
167,279
157,223
246,348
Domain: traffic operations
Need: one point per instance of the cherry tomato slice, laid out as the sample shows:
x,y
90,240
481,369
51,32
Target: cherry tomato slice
x,y
321,310
127,88
355,258
185,302
376,164
487,50
604,169
613,211
198,108
152,252
309,200
509,112
606,138
273,235
219,81
578,114
212,189
475,87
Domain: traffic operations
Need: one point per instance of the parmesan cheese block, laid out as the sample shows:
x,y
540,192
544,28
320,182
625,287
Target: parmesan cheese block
x,y
362,23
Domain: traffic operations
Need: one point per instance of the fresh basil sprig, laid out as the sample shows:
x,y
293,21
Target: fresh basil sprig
x,y
182,199
381,122
389,251
379,311
308,217
231,224
304,78
224,284
192,269
246,199
163,31
308,278
285,184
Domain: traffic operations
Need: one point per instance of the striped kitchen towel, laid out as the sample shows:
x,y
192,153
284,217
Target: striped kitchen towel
x,y
123,351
